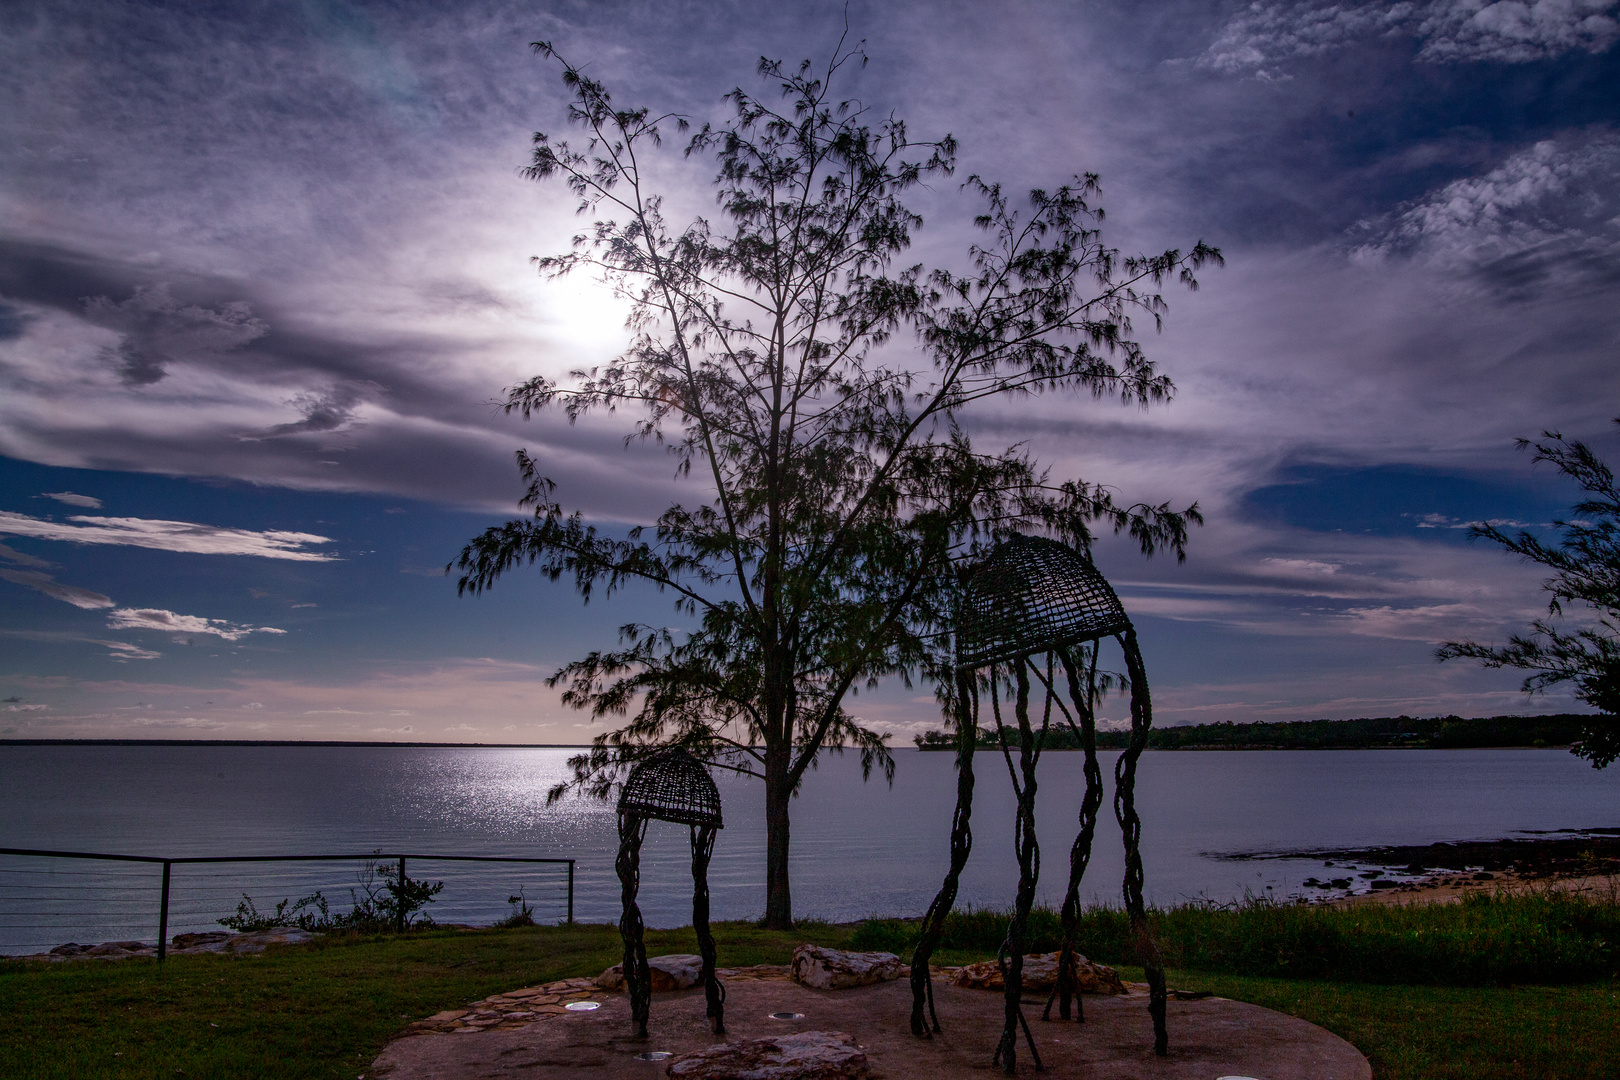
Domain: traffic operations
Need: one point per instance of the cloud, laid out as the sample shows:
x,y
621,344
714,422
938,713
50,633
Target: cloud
x,y
1262,37
162,535
121,650
1302,566
156,330
44,583
1551,205
1514,31
22,558
322,412
87,501
159,619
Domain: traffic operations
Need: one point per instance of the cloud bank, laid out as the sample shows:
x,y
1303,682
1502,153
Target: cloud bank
x,y
159,619
1263,37
181,536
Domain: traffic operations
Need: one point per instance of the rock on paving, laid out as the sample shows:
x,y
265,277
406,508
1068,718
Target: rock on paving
x,y
862,1031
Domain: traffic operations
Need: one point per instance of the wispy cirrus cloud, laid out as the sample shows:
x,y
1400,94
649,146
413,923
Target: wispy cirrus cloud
x,y
170,622
44,583
90,502
159,535
22,558
120,650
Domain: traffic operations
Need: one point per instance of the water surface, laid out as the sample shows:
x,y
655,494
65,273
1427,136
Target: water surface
x,y
859,849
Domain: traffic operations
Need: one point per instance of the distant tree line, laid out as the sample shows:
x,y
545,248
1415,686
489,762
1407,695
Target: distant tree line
x,y
1377,733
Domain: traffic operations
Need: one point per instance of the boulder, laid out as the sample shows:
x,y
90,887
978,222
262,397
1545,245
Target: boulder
x,y
256,941
117,950
1040,974
808,1055
676,971
191,941
832,969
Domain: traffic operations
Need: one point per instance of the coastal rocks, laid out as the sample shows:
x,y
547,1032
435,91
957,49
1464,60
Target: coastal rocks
x,y
809,1055
110,950
833,969
242,944
1040,973
676,971
184,944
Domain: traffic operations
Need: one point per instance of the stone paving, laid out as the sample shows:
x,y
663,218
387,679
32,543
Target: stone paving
x,y
516,1008
532,1004
1210,1037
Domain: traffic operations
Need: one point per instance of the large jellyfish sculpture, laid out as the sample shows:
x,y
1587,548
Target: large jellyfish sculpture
x,y
1032,616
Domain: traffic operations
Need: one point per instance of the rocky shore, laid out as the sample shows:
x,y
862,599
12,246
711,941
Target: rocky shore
x,y
1571,860
183,944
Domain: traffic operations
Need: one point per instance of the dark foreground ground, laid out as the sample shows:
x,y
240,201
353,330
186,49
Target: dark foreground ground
x,y
328,1009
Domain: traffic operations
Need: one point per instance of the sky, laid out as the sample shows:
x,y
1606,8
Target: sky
x,y
264,270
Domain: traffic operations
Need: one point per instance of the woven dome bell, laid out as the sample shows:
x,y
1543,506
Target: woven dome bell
x,y
672,785
1031,595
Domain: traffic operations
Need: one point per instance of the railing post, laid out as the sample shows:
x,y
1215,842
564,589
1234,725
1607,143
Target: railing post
x,y
163,915
570,892
399,897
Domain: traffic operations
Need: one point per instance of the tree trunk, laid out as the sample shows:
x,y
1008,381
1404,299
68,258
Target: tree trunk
x,y
778,896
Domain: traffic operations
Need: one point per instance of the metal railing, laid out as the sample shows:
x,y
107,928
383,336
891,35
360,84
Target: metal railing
x,y
372,858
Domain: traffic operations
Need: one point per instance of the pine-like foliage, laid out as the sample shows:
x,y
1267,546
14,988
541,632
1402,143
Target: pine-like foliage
x,y
1585,565
812,389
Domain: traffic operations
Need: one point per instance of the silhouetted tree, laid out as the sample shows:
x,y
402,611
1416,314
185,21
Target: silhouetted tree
x,y
1586,571
836,485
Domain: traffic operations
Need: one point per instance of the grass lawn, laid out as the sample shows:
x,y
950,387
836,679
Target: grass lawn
x,y
1451,1033
326,1010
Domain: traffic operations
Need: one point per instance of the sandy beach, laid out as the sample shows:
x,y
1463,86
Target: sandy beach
x,y
1449,887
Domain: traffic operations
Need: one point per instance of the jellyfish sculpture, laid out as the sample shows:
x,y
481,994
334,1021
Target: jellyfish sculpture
x,y
1032,607
671,785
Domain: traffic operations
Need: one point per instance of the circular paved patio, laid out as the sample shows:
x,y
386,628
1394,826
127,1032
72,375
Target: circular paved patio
x,y
1209,1039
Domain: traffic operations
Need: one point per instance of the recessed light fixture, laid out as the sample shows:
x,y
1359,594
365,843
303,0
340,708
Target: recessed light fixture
x,y
583,1006
787,1016
654,1055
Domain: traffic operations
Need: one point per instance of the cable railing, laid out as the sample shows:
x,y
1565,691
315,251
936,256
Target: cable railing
x,y
46,891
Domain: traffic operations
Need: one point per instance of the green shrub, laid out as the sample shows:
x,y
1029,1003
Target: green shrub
x,y
386,898
1540,938
885,935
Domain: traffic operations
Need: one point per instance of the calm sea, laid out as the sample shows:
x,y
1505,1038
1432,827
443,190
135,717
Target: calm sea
x,y
859,848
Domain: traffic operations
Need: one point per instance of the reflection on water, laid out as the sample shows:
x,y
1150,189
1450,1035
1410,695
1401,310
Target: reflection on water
x,y
859,848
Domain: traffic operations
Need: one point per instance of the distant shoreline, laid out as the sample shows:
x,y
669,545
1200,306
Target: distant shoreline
x,y
1556,731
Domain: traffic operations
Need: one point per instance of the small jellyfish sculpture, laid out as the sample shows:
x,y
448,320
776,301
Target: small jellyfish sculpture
x,y
1032,608
671,785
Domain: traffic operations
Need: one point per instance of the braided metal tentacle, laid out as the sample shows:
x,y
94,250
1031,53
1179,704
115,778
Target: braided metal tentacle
x,y
713,990
1131,825
933,925
1084,700
1033,595
637,975
1029,871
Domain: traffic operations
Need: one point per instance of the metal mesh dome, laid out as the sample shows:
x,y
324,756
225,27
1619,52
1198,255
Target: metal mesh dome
x,y
672,785
1029,595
